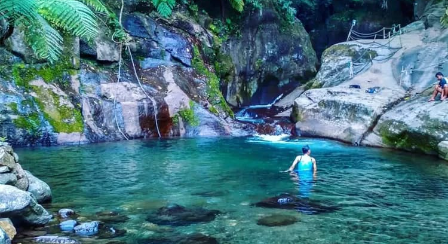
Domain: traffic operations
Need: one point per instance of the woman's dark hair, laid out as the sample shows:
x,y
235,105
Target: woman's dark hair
x,y
305,149
439,73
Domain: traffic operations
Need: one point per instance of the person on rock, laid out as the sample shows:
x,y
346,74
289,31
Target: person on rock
x,y
441,87
306,172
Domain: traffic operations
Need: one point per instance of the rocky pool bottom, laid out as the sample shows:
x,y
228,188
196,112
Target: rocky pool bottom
x,y
227,190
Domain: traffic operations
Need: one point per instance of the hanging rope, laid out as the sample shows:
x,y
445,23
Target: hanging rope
x,y
118,81
154,103
126,44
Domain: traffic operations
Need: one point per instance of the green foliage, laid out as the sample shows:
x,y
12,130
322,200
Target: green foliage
x,y
238,5
30,122
286,8
256,3
23,74
13,107
62,117
194,10
164,7
187,115
38,18
444,19
215,96
2,139
97,5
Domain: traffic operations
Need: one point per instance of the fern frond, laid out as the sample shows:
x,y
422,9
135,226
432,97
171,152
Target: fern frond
x,y
70,15
45,41
238,5
164,7
98,5
26,10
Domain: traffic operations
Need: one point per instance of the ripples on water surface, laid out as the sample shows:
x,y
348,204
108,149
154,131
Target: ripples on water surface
x,y
385,196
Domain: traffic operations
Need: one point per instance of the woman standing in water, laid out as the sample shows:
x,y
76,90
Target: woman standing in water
x,y
306,171
306,162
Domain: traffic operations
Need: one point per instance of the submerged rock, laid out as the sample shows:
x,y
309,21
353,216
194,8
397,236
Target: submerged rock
x,y
108,232
87,229
196,238
211,193
111,217
306,206
55,240
177,215
65,213
277,220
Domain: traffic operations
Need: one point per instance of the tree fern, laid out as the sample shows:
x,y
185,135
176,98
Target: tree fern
x,y
45,41
164,7
38,17
238,5
70,15
97,5
26,10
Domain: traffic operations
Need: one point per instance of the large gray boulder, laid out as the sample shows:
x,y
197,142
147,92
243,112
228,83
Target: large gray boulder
x,y
414,125
38,188
21,207
340,112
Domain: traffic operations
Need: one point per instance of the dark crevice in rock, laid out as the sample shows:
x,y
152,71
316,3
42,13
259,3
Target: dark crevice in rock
x,y
375,121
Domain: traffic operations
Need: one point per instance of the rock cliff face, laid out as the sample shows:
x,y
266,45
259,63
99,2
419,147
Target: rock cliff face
x,y
271,57
180,67
397,113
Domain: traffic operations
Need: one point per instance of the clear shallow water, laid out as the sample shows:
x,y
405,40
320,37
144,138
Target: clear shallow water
x,y
385,196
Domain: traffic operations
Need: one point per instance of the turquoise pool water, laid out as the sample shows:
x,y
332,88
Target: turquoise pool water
x,y
384,196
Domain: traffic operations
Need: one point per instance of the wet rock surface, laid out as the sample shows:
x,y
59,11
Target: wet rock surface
x,y
176,215
290,202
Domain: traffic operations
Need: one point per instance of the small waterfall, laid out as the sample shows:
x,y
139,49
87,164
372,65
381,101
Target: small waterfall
x,y
244,116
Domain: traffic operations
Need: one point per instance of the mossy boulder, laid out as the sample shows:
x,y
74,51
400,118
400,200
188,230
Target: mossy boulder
x,y
414,125
271,56
336,61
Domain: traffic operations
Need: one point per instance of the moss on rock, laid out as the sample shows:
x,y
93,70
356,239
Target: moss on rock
x,y
397,135
63,117
215,96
